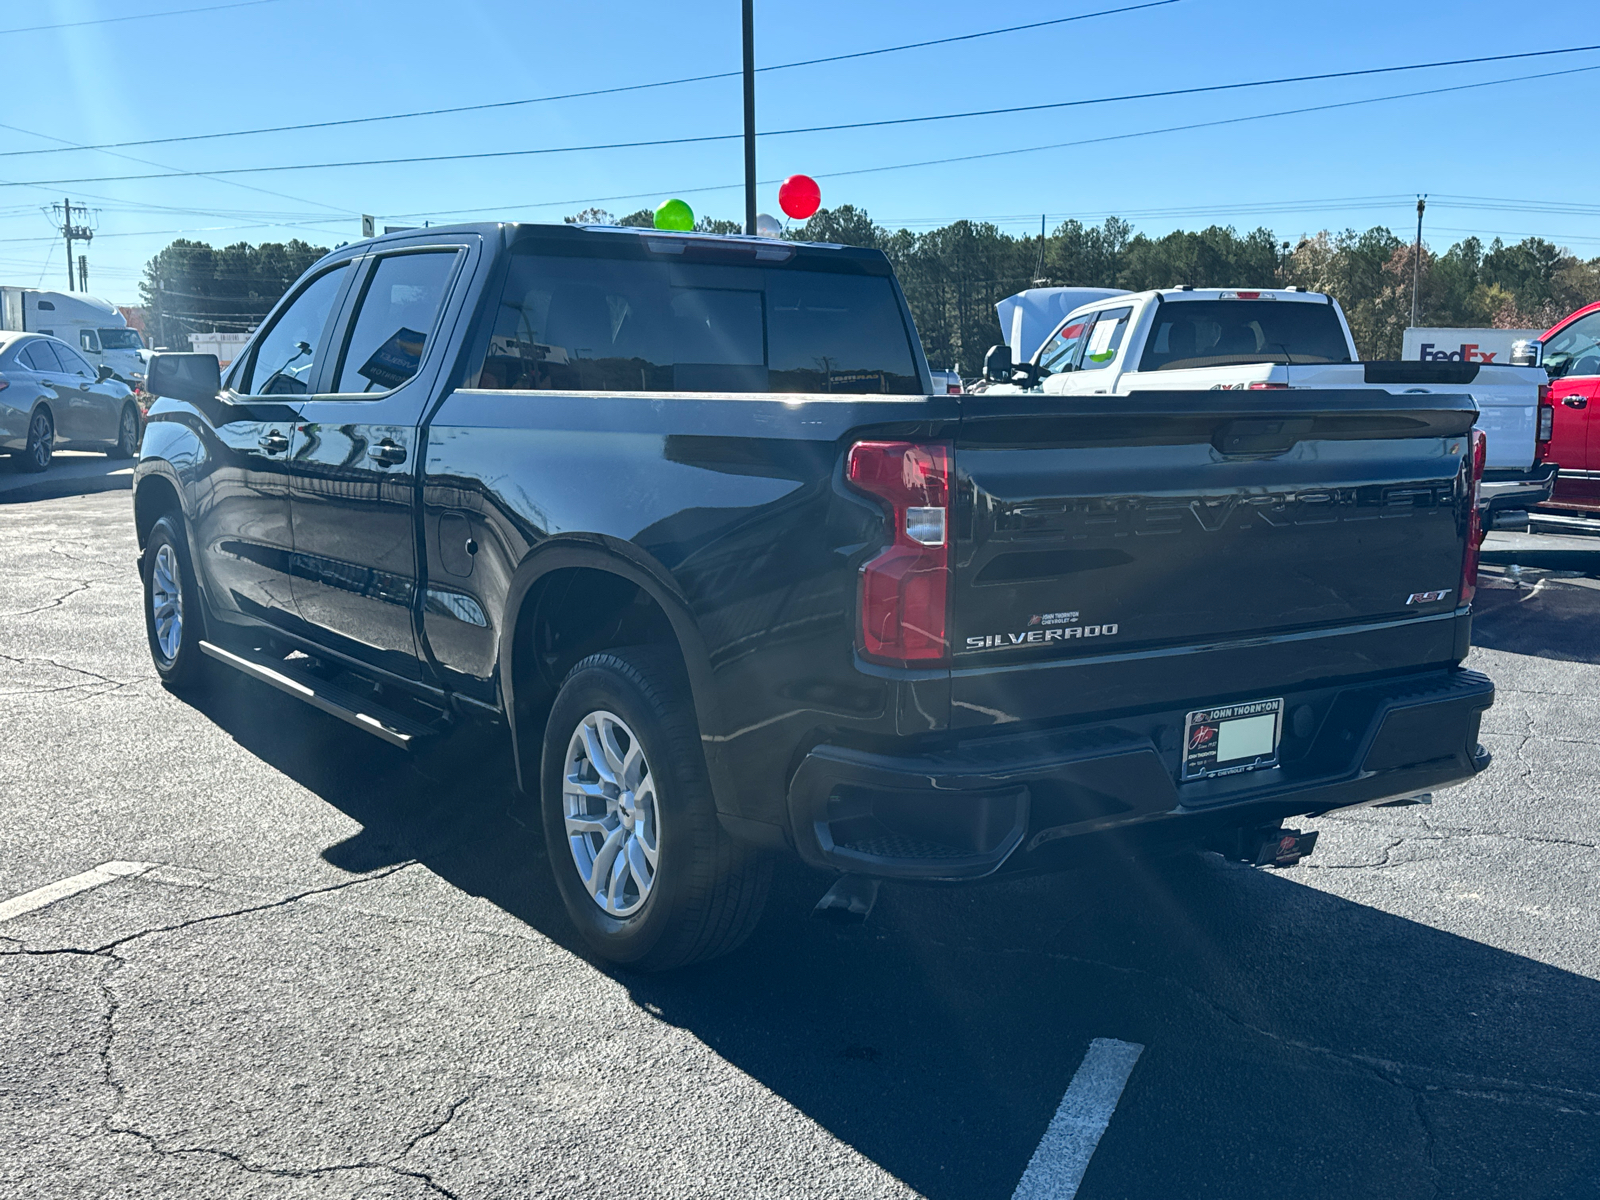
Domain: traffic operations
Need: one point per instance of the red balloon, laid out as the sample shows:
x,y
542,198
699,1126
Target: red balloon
x,y
799,196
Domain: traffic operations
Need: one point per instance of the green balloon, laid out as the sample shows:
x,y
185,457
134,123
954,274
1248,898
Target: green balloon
x,y
674,214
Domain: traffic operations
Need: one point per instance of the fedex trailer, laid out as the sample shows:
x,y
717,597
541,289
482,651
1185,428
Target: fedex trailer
x,y
1463,345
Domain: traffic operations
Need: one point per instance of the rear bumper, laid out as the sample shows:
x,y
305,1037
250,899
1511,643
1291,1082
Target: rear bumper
x,y
1504,493
1019,802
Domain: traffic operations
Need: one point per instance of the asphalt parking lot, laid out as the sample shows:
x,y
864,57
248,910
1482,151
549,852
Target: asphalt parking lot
x,y
329,969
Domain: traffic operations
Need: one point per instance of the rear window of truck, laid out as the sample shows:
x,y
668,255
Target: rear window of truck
x,y
623,325
1218,333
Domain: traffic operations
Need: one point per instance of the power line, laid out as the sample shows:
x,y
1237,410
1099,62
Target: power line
x,y
723,137
173,12
1285,112
70,145
610,91
721,187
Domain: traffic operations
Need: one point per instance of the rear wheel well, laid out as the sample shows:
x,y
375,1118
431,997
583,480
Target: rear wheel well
x,y
566,616
154,499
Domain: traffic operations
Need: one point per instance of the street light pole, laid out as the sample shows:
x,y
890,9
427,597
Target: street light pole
x,y
1416,260
749,118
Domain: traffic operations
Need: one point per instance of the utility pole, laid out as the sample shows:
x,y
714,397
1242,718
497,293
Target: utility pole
x,y
749,118
1416,260
78,233
1038,272
83,272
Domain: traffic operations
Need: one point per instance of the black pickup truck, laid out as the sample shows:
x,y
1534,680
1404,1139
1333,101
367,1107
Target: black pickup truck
x,y
681,513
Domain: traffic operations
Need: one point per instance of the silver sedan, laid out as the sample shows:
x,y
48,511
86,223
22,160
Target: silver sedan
x,y
52,399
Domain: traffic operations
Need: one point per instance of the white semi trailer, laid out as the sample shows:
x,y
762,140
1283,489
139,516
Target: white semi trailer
x,y
92,325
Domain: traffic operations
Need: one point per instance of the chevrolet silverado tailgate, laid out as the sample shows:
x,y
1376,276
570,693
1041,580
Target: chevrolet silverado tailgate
x,y
1135,533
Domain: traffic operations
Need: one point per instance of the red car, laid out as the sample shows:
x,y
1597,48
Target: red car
x,y
1572,356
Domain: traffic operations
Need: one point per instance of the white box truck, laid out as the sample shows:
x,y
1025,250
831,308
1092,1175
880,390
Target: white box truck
x,y
92,325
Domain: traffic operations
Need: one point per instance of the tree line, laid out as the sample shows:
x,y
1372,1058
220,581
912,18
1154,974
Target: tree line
x,y
954,275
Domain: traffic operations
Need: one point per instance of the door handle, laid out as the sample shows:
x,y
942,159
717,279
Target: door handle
x,y
275,443
1575,401
388,453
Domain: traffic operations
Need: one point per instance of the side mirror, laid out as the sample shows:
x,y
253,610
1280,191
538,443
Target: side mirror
x,y
1528,353
190,377
104,373
997,364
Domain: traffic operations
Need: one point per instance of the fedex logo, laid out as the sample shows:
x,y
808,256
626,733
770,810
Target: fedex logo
x,y
1468,352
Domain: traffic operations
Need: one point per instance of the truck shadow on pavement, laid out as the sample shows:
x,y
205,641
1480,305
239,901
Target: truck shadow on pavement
x,y
1297,1043
71,474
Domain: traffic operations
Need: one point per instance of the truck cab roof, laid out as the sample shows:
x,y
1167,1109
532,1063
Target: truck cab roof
x,y
629,240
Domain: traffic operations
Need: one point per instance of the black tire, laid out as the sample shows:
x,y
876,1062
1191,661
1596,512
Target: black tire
x,y
127,433
707,891
36,455
180,662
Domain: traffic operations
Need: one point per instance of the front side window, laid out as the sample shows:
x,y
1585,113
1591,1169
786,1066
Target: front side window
x,y
87,339
596,324
1104,339
1575,350
71,361
396,318
285,358
1061,351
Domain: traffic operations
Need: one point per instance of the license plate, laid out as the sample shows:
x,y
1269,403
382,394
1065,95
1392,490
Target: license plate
x,y
1232,738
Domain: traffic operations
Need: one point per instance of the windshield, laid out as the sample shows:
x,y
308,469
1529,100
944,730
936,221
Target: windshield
x,y
120,339
1215,333
584,324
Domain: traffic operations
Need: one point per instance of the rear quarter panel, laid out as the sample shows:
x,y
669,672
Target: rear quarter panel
x,y
735,503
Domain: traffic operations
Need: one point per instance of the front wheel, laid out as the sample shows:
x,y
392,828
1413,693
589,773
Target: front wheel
x,y
172,617
127,434
644,867
40,448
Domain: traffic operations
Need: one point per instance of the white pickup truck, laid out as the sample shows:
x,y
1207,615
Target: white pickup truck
x,y
1246,339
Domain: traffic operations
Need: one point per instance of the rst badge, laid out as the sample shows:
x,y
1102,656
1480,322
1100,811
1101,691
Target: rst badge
x,y
1428,597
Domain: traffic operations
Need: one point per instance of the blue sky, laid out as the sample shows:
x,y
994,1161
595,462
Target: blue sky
x,y
1490,158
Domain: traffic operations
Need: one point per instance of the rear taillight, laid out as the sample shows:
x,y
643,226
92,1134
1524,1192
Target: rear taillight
x,y
1547,424
952,389
904,590
1479,450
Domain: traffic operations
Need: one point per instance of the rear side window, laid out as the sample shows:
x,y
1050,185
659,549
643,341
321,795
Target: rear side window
x,y
587,324
39,357
1217,333
1104,339
284,360
396,318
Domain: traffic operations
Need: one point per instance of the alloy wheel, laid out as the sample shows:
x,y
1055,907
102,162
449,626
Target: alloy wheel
x,y
40,436
612,814
128,440
166,601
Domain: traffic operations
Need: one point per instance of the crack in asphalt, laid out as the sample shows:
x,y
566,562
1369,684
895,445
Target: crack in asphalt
x,y
439,1126
245,1164
79,585
60,666
108,1045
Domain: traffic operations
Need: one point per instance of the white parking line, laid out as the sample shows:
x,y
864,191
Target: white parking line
x,y
62,888
1057,1166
